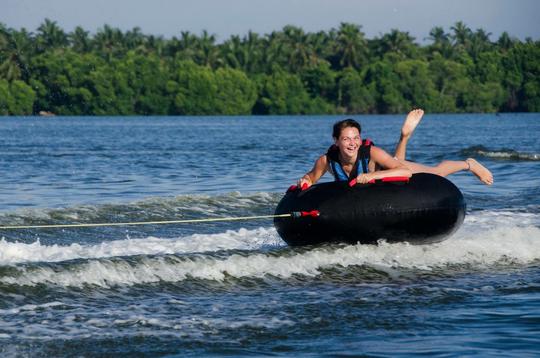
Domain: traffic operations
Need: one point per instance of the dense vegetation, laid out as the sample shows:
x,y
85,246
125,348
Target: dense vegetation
x,y
286,72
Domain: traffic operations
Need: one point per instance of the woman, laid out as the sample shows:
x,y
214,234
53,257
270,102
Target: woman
x,y
351,158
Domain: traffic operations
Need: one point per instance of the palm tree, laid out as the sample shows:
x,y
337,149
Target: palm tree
x,y
274,51
50,35
480,42
505,42
351,46
398,42
109,41
438,36
233,52
206,51
253,53
16,49
154,44
186,46
300,53
80,41
462,35
321,45
134,39
441,41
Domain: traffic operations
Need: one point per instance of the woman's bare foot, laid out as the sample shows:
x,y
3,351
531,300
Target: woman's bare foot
x,y
412,120
480,171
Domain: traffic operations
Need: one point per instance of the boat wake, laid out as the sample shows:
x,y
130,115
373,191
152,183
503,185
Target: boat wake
x,y
486,239
501,154
17,252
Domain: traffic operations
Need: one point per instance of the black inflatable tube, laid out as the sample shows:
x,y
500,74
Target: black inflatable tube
x,y
427,209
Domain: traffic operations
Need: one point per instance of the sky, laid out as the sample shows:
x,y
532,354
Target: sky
x,y
236,17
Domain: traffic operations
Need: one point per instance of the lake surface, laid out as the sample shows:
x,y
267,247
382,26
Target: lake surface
x,y
235,288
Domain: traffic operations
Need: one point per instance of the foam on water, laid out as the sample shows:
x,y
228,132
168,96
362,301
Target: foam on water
x,y
16,252
149,209
486,238
116,322
502,154
29,308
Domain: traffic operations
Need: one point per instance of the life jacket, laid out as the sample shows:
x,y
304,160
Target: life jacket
x,y
362,158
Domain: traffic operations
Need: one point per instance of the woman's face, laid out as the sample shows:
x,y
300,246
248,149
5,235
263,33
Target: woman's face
x,y
349,141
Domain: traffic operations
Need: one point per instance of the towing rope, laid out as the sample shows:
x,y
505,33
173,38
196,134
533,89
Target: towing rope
x,y
187,221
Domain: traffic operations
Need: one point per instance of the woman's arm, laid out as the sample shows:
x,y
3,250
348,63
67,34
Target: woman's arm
x,y
393,167
316,173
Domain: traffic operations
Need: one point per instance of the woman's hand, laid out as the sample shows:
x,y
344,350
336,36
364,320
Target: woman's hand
x,y
305,180
364,178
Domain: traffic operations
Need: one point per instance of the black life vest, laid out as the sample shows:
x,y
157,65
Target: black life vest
x,y
362,158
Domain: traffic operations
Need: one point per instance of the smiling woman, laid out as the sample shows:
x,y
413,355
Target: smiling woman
x,y
356,161
350,158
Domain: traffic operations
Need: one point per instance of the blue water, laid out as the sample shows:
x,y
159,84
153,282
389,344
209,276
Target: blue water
x,y
235,288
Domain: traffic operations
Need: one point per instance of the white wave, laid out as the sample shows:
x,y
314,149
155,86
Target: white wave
x,y
486,238
243,239
472,246
503,154
510,155
29,308
116,323
198,322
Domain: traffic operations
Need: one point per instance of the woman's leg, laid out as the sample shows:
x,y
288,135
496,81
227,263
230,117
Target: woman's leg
x,y
409,125
444,168
448,167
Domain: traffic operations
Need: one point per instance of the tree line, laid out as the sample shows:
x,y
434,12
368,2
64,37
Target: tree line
x,y
290,71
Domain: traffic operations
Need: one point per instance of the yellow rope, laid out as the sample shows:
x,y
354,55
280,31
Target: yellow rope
x,y
188,221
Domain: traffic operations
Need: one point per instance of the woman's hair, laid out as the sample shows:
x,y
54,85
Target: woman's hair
x,y
339,126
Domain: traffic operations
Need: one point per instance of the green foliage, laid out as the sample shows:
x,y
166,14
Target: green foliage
x,y
483,97
320,81
16,98
450,80
195,89
282,93
531,77
199,90
415,84
146,79
385,83
355,96
286,72
236,93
